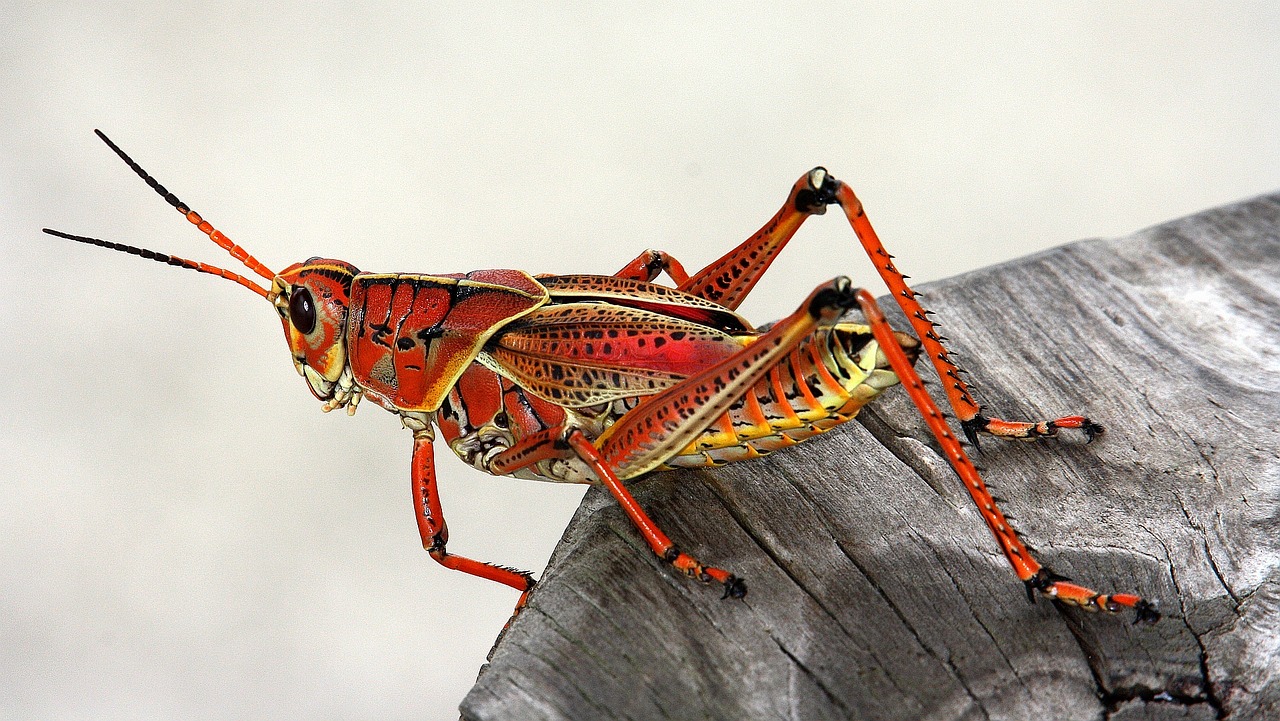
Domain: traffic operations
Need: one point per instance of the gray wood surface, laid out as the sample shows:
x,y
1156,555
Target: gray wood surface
x,y
876,592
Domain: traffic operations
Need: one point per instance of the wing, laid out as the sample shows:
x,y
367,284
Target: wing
x,y
649,296
583,354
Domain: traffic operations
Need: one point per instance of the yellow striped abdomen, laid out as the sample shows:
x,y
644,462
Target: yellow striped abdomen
x,y
819,385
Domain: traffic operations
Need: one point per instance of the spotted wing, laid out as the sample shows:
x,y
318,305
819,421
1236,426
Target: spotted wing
x,y
583,354
648,296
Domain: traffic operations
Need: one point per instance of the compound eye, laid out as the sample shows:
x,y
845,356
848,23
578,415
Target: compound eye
x,y
302,310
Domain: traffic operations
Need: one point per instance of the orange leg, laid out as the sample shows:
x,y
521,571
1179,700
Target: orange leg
x,y
961,400
561,442
652,263
728,281
544,445
1035,576
434,532
664,423
733,586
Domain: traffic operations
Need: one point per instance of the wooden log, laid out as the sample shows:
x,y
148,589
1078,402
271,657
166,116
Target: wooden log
x,y
876,592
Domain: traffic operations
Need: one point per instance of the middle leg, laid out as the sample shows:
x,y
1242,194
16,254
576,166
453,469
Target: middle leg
x,y
565,441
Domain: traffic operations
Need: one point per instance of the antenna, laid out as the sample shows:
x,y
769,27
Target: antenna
x,y
205,227
214,234
162,258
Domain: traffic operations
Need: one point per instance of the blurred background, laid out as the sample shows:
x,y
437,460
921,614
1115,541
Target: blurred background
x,y
184,535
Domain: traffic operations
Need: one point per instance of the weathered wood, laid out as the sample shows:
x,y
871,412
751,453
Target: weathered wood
x,y
875,590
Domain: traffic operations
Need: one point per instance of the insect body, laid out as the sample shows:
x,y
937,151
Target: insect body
x,y
603,378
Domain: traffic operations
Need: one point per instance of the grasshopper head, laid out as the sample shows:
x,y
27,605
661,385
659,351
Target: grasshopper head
x,y
312,299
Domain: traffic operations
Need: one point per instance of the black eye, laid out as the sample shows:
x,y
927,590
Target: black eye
x,y
302,310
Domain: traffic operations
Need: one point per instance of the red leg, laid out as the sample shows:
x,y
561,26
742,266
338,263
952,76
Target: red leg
x,y
434,532
543,445
666,422
657,540
1035,576
728,280
958,395
562,442
650,264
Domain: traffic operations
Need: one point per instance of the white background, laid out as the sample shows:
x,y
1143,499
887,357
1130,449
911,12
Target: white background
x,y
184,535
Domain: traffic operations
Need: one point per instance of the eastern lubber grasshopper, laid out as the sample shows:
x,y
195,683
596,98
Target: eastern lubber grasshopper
x,y
603,378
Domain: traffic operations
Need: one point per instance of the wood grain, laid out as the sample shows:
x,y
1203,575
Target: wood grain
x,y
875,590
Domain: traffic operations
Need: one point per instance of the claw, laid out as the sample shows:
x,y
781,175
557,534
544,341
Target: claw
x,y
734,587
1042,581
1146,613
971,428
1091,431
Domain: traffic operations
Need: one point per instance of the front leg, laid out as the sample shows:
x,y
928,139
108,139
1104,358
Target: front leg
x,y
431,525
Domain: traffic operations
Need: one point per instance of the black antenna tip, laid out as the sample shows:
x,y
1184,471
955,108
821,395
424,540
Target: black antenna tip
x,y
111,145
169,198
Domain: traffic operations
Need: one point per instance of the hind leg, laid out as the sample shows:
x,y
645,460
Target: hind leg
x,y
1036,577
728,281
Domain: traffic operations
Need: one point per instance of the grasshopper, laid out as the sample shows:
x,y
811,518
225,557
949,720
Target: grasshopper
x,y
603,378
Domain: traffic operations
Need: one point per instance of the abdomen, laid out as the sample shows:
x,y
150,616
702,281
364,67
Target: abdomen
x,y
821,384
